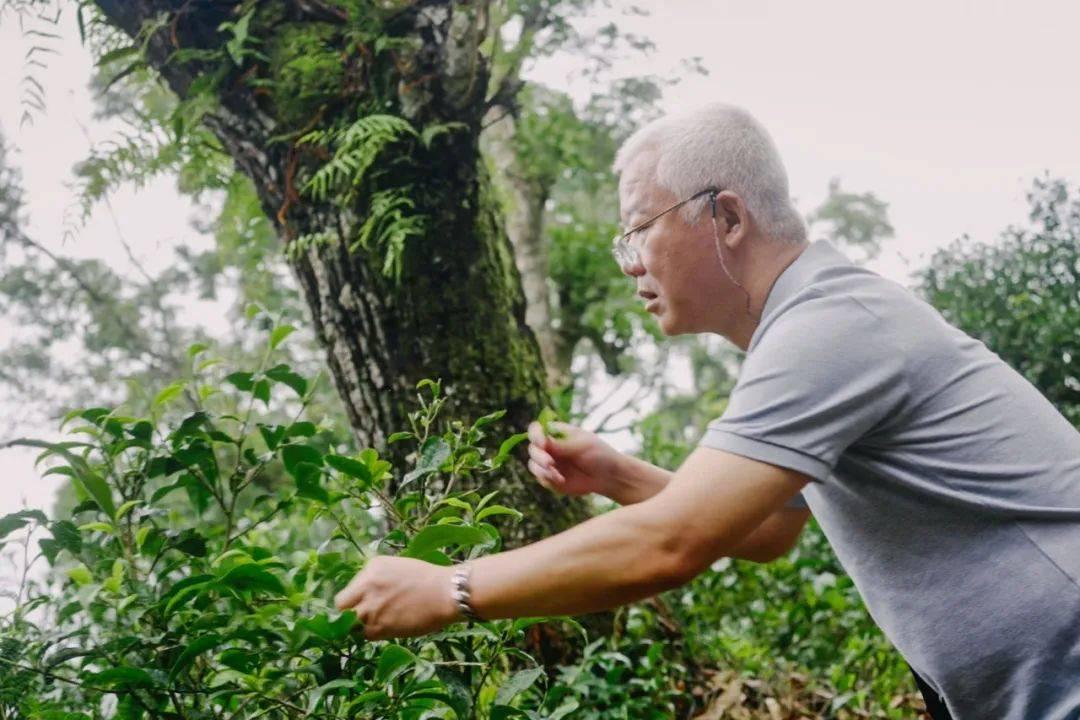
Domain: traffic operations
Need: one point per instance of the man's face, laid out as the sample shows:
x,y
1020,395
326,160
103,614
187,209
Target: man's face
x,y
678,261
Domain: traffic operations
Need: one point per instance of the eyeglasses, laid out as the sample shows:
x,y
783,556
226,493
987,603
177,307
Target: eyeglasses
x,y
626,253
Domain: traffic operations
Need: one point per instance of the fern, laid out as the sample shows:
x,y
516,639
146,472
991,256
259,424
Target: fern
x,y
310,240
32,17
390,223
392,219
428,135
356,148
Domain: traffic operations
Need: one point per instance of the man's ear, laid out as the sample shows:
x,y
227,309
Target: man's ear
x,y
733,218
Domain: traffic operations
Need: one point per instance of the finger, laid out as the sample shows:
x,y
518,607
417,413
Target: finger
x,y
351,595
542,458
537,471
536,434
561,428
539,474
363,615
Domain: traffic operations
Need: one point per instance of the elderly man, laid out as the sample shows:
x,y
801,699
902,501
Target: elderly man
x,y
947,485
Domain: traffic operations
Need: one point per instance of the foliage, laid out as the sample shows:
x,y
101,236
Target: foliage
x,y
1019,295
193,578
628,676
855,222
800,615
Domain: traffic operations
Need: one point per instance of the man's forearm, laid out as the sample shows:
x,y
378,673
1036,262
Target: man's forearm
x,y
609,560
635,480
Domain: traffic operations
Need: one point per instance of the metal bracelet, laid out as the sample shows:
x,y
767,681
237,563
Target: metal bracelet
x,y
463,592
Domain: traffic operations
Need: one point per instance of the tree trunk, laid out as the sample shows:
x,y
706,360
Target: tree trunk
x,y
456,310
525,200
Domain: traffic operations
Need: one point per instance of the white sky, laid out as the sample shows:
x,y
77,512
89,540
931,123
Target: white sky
x,y
945,110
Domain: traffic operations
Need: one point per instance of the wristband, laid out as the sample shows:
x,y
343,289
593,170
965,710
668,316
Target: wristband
x,y
462,591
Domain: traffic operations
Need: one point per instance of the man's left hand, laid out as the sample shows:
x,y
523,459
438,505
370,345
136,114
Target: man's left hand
x,y
400,597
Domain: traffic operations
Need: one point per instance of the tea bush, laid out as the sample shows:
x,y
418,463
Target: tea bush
x,y
193,579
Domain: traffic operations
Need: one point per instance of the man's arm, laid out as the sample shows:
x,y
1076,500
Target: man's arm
x,y
713,502
636,480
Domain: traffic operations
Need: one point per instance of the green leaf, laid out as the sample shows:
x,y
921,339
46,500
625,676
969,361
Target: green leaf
x,y
293,455
67,536
142,430
243,661
516,684
182,589
190,542
114,581
564,710
547,416
252,577
272,436
504,450
436,387
284,375
241,380
486,499
16,520
119,53
97,526
99,491
433,453
329,630
459,698
49,548
278,335
239,30
87,479
80,574
128,677
436,537
309,482
197,647
497,510
353,468
458,503
169,393
393,660
329,688
301,429
261,391
196,348
166,489
488,419
126,508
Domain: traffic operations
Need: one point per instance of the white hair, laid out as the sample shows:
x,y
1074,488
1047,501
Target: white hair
x,y
723,146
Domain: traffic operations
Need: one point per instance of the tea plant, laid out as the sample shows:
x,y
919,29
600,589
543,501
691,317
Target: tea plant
x,y
193,579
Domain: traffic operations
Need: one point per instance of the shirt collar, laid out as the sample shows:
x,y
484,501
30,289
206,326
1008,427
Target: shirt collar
x,y
816,256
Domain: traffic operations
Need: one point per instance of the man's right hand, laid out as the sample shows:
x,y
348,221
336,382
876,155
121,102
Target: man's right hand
x,y
576,464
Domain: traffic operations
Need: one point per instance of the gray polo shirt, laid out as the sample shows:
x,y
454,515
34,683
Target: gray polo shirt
x,y
948,486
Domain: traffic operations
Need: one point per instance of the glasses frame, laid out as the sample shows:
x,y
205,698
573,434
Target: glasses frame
x,y
626,254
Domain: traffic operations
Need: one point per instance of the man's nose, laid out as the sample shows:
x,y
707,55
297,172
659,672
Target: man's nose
x,y
634,268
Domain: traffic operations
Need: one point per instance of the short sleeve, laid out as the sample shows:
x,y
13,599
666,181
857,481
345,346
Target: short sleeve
x,y
797,502
821,376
